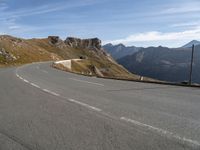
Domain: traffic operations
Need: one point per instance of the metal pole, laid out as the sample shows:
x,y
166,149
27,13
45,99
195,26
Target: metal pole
x,y
191,65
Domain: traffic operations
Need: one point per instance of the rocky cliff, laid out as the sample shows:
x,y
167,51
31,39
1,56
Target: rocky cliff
x,y
56,41
6,56
93,43
89,44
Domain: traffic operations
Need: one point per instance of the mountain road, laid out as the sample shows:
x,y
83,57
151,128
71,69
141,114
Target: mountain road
x,y
42,108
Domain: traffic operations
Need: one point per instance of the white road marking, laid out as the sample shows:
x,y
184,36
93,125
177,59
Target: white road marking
x,y
161,131
25,80
85,105
74,101
37,86
69,99
55,94
46,90
34,85
86,81
158,130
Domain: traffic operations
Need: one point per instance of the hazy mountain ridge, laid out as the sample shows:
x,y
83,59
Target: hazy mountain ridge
x,y
120,50
168,64
189,45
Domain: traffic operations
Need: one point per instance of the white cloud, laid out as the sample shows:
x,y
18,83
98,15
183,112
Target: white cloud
x,y
9,18
59,6
186,24
192,6
155,36
3,6
14,27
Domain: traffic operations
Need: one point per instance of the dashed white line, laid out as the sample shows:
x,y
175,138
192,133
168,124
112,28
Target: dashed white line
x,y
85,105
34,85
161,131
87,81
158,130
25,80
53,93
46,90
74,101
155,129
69,99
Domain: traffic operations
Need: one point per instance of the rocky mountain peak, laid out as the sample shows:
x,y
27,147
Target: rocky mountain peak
x,y
120,45
193,42
93,43
108,45
56,41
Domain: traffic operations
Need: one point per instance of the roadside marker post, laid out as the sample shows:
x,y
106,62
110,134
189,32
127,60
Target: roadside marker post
x,y
191,65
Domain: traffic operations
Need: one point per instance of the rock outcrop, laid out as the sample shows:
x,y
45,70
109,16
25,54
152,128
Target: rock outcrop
x,y
94,43
56,41
6,55
90,44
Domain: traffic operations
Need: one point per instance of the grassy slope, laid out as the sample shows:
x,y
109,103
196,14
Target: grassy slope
x,y
34,50
25,51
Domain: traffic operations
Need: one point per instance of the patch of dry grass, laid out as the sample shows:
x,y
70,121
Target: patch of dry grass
x,y
34,50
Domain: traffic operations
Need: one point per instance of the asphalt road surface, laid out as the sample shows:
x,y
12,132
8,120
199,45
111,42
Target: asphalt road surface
x,y
42,108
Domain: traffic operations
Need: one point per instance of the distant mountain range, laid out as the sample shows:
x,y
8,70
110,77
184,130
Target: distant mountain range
x,y
168,64
194,42
163,63
120,50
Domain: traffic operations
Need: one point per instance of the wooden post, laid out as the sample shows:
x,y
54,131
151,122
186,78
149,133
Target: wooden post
x,y
191,65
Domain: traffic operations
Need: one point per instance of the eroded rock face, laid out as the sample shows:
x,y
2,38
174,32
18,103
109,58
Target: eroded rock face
x,y
53,39
94,43
6,55
56,41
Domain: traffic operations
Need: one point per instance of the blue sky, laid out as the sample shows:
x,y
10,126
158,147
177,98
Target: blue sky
x,y
169,23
